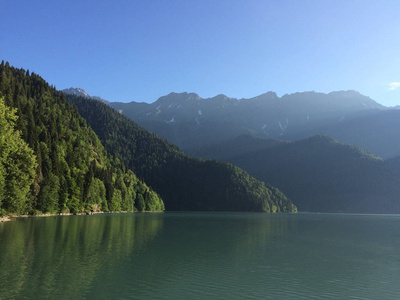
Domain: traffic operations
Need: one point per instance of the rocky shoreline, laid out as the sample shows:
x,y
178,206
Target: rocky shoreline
x,y
5,219
9,218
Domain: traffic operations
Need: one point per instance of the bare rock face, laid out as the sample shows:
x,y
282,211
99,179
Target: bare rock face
x,y
83,93
76,92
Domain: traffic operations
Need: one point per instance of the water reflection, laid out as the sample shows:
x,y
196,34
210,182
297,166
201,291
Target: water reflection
x,y
201,255
63,256
198,255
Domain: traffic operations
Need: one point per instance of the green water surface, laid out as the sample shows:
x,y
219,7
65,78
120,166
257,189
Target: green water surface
x,y
201,256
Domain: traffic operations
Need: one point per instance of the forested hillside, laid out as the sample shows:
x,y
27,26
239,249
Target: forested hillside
x,y
184,183
321,174
242,145
51,161
17,162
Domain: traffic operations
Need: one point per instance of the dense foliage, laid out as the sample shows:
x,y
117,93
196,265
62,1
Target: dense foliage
x,y
17,163
184,183
72,170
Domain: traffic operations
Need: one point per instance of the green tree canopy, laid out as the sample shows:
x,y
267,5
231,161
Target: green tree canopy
x,y
17,163
72,171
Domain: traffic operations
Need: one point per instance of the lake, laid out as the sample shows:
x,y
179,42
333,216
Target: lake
x,y
201,256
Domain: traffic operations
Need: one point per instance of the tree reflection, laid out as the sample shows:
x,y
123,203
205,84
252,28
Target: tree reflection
x,y
63,256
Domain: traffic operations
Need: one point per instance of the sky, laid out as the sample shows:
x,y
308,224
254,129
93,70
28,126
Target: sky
x,y
128,50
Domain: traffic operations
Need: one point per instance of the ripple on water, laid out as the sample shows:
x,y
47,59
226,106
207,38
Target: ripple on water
x,y
203,256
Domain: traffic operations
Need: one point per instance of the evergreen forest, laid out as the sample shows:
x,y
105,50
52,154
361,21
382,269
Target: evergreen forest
x,y
51,161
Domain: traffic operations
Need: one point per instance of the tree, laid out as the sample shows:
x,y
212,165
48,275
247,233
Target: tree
x,y
17,163
73,170
49,194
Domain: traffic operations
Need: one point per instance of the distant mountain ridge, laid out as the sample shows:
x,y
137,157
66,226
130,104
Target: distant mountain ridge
x,y
187,106
190,121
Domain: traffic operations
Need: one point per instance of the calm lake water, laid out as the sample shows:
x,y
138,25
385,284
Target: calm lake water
x,y
201,256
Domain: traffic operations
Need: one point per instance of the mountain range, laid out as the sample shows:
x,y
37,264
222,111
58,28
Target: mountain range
x,y
190,121
335,152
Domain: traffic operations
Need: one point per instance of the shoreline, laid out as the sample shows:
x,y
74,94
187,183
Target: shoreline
x,y
8,218
5,219
11,217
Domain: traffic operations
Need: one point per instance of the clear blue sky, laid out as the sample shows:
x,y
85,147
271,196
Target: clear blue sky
x,y
140,50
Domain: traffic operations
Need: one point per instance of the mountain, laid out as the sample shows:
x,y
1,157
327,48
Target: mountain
x,y
393,165
83,93
190,121
378,132
184,183
320,174
76,91
238,146
51,161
